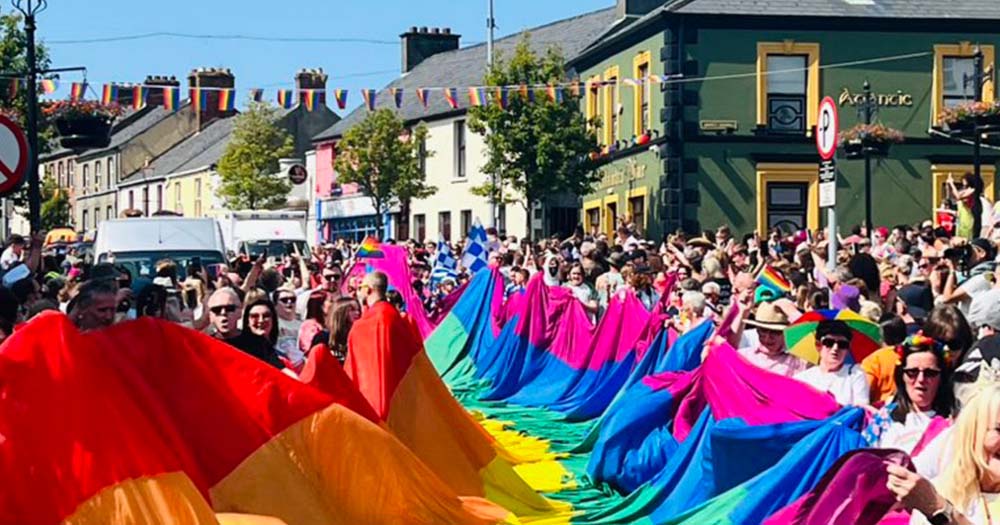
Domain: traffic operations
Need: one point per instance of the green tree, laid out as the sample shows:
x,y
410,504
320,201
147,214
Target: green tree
x,y
247,168
533,149
382,157
55,205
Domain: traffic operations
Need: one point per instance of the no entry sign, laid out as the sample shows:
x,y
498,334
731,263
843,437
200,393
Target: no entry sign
x,y
13,156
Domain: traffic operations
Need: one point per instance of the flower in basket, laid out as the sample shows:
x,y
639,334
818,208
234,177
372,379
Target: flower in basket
x,y
876,132
11,113
967,111
78,109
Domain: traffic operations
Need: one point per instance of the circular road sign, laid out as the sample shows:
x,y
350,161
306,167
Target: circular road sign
x,y
297,174
13,155
827,124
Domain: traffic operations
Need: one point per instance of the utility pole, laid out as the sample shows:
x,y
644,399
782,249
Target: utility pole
x,y
868,110
30,8
490,26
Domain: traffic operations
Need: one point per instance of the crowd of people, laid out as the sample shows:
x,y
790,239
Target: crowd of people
x,y
933,290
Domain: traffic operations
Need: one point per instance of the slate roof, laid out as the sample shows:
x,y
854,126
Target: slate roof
x,y
466,67
197,151
954,9
130,131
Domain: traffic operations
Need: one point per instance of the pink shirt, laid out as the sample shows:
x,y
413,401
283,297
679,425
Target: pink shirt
x,y
783,364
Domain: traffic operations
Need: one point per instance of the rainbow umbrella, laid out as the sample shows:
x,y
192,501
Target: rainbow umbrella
x,y
800,337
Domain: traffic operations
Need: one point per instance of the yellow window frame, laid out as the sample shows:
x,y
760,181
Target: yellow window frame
x,y
788,172
589,206
612,94
963,50
789,47
939,175
642,59
609,218
593,100
642,191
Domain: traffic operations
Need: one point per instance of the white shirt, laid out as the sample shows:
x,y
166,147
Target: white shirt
x,y
905,436
288,340
9,258
849,385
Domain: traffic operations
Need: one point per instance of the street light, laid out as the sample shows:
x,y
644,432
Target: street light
x,y
867,110
30,8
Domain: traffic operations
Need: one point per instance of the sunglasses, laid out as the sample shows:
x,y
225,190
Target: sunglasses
x,y
286,300
929,373
332,277
831,342
259,317
223,309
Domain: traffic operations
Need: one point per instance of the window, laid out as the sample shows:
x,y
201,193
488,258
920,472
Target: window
x,y
444,224
642,93
97,176
939,177
610,214
145,201
111,170
110,213
177,196
86,177
71,172
466,221
790,196
952,65
420,226
787,86
460,149
85,220
131,200
593,102
502,217
611,105
59,171
637,208
592,217
197,197
97,216
159,197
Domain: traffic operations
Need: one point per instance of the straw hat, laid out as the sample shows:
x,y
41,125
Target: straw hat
x,y
700,242
769,317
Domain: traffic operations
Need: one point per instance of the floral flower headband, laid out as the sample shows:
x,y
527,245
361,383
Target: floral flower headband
x,y
919,340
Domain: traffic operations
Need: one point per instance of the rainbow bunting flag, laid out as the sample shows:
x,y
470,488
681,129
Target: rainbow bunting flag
x,y
773,279
501,95
109,94
309,99
48,86
397,96
477,96
422,96
199,99
527,93
138,97
285,99
257,94
371,249
451,96
227,99
171,98
555,93
340,95
369,96
77,91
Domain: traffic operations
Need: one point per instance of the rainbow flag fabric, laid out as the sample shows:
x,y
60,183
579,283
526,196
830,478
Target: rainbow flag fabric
x,y
109,93
227,99
48,85
285,99
370,248
397,96
171,98
369,97
422,96
138,97
451,97
774,280
340,95
77,91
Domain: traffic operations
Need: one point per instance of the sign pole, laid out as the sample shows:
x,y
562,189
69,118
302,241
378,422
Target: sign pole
x,y
826,145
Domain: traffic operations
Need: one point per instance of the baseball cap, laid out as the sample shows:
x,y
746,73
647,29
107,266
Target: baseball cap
x,y
918,298
984,310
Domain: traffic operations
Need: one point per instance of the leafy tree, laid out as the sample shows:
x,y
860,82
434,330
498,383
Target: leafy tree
x,y
382,157
247,168
55,211
533,149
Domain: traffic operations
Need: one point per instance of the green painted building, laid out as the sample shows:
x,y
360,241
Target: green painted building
x,y
727,92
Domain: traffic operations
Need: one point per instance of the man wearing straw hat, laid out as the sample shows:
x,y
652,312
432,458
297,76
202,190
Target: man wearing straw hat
x,y
769,352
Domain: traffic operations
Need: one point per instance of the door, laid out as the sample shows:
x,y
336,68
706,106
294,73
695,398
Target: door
x,y
787,206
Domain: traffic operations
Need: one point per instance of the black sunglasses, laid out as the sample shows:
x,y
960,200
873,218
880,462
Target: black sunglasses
x,y
287,300
929,373
223,309
831,342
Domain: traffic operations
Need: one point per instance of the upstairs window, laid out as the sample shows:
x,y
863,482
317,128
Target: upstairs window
x,y
787,86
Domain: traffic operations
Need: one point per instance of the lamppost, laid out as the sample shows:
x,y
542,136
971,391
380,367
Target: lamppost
x,y
867,110
977,78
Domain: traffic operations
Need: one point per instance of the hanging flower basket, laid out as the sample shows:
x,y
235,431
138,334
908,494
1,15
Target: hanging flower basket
x,y
963,118
82,124
872,139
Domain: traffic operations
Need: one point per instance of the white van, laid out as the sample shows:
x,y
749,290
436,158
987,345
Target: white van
x,y
137,244
275,233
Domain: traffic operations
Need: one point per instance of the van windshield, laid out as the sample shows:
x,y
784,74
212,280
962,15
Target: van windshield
x,y
274,248
143,264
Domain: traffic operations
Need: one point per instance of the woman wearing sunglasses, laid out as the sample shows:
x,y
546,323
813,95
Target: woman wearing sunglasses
x,y
847,383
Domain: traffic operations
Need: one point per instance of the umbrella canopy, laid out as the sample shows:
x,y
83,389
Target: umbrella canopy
x,y
800,337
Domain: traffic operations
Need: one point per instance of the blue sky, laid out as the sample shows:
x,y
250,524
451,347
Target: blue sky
x,y
270,65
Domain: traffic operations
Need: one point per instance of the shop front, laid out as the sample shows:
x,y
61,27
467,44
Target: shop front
x,y
352,217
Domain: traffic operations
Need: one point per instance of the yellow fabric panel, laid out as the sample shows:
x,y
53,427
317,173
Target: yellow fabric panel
x,y
166,499
335,467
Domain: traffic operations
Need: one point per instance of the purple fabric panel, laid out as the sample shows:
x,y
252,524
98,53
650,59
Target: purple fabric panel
x,y
396,267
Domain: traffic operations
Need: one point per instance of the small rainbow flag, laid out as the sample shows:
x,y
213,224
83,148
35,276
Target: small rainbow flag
x,y
199,99
138,97
555,93
171,98
451,96
477,96
773,279
77,91
48,85
422,96
340,95
109,94
309,99
527,93
501,95
397,96
285,99
371,249
369,96
257,94
227,99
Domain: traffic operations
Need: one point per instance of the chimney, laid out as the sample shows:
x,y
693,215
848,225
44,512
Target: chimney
x,y
125,94
311,79
636,8
211,77
154,95
419,44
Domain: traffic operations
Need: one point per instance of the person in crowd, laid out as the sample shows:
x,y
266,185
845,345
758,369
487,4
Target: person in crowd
x,y
947,324
847,383
95,305
968,195
13,253
769,353
260,319
316,310
344,312
880,365
582,289
151,302
289,325
224,308
518,282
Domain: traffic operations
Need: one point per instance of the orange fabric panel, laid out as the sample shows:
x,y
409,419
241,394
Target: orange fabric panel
x,y
165,499
324,372
325,470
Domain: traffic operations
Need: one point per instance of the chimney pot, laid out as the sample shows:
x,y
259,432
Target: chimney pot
x,y
446,30
413,29
419,44
423,29
435,31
